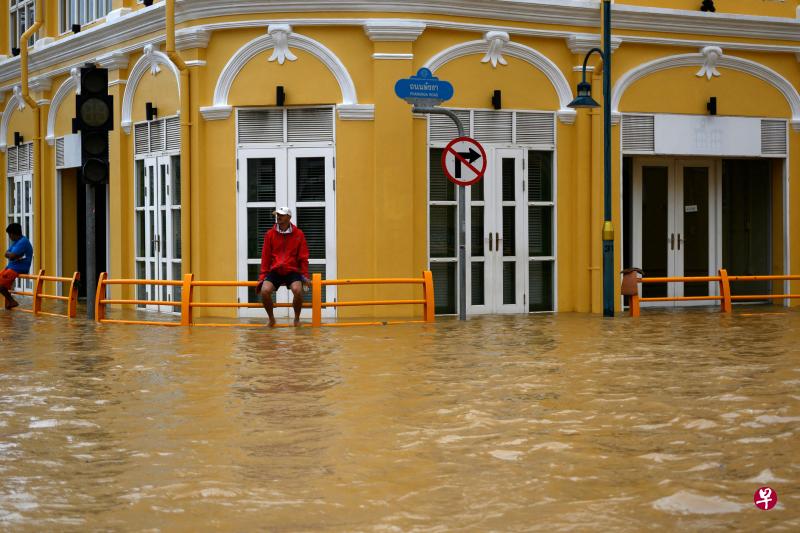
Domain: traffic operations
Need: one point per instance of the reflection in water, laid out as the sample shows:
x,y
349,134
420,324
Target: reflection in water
x,y
565,422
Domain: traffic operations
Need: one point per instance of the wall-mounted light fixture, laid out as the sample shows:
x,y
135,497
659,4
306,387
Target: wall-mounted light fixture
x,y
15,52
148,3
708,5
497,99
280,96
76,28
18,139
712,105
151,112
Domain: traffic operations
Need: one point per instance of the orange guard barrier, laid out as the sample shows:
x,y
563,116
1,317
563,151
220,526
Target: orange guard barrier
x,y
187,304
725,298
38,294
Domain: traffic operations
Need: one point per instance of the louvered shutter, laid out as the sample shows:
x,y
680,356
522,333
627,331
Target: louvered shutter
x,y
443,130
11,163
638,133
260,126
157,140
60,152
773,137
173,126
535,128
141,138
493,126
310,124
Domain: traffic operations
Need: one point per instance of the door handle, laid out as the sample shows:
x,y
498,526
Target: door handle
x,y
679,241
671,241
490,242
497,240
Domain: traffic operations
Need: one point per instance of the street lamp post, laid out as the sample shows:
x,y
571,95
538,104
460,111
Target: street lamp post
x,y
585,100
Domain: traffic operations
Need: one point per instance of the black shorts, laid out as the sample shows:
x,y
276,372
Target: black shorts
x,y
286,280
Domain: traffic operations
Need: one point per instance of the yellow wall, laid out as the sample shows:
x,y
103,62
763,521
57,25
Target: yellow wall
x,y
768,8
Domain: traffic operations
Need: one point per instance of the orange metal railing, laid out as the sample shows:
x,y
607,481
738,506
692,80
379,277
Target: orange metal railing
x,y
725,298
38,294
187,303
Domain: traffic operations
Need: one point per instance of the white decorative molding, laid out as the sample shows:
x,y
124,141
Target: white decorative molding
x,y
711,55
189,38
16,103
565,114
497,40
356,111
280,35
392,56
216,112
42,43
69,85
221,109
581,43
117,14
114,83
579,68
43,102
752,68
393,30
41,83
150,61
75,74
195,63
114,60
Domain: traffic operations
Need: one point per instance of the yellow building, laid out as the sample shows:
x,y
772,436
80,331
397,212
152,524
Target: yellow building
x,y
202,151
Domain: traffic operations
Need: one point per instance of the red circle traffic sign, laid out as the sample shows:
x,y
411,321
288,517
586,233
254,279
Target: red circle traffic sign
x,y
464,161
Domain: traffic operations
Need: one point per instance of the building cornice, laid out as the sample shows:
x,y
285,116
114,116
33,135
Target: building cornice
x,y
143,23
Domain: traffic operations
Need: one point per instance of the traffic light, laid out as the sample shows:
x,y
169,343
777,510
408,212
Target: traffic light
x,y
94,108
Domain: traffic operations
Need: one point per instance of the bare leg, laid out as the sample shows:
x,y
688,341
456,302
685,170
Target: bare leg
x,y
297,302
10,301
267,288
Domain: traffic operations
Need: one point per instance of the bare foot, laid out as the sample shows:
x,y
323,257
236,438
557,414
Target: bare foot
x,y
297,322
271,322
12,304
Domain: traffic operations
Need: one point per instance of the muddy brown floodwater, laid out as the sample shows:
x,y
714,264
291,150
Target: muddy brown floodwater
x,y
532,423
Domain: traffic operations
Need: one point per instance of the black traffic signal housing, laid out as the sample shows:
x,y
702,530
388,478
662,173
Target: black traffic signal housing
x,y
94,110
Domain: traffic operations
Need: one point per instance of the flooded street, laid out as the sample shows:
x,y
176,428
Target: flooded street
x,y
525,423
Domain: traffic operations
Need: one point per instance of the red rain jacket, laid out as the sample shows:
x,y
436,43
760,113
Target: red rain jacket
x,y
284,253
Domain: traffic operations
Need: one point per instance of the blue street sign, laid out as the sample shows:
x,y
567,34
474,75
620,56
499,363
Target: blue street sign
x,y
423,89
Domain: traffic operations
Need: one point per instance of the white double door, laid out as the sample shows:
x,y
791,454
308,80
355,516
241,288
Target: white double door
x,y
497,236
676,225
158,229
19,209
302,179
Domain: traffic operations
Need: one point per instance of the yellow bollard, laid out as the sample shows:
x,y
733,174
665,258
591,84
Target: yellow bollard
x,y
429,306
316,300
99,307
186,300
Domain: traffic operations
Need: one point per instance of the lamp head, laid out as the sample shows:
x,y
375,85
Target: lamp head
x,y
584,98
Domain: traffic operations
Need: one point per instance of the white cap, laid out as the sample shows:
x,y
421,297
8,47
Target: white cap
x,y
282,211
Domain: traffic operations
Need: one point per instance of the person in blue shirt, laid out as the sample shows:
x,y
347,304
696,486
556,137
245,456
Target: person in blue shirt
x,y
20,256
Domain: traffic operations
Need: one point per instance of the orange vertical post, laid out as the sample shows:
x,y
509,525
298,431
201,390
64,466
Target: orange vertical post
x,y
186,300
725,291
99,307
316,300
634,305
72,305
430,315
37,292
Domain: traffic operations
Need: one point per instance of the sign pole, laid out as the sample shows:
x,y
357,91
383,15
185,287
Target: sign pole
x,y
462,216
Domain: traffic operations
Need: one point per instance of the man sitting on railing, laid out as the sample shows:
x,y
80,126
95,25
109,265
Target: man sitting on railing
x,y
19,256
284,261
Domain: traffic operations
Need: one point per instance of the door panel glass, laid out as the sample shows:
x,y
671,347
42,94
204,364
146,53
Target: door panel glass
x,y
478,284
444,287
443,230
310,179
509,282
540,176
176,233
655,204
176,180
509,231
540,231
312,221
476,191
140,183
509,179
540,286
477,231
259,220
441,188
261,180
140,234
694,240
